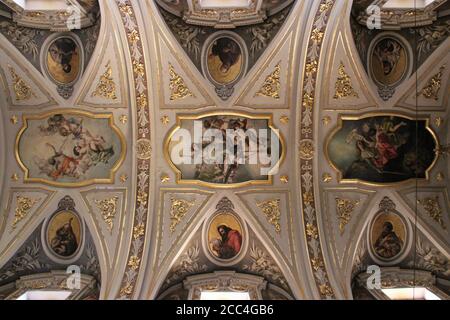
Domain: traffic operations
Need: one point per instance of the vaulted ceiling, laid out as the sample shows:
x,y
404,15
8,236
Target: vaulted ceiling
x,y
139,71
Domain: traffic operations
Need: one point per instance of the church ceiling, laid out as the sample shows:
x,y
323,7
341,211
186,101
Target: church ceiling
x,y
357,121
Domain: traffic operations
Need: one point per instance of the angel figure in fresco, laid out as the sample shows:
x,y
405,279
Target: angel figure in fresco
x,y
388,244
85,150
378,143
229,244
223,170
58,164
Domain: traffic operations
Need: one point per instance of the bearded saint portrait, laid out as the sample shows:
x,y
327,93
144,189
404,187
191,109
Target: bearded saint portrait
x,y
229,244
388,244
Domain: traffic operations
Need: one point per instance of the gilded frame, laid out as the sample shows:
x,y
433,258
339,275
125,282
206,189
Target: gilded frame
x,y
114,169
339,126
180,118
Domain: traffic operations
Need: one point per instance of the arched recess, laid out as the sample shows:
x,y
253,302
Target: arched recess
x,y
192,246
36,252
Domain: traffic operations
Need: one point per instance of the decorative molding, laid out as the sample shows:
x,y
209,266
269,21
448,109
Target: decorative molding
x,y
178,209
433,209
284,119
343,86
189,263
262,264
327,178
164,178
178,87
271,86
271,209
23,206
21,89
306,149
143,130
433,86
306,165
225,281
54,280
123,119
165,120
24,39
108,210
387,205
344,211
284,179
106,86
431,259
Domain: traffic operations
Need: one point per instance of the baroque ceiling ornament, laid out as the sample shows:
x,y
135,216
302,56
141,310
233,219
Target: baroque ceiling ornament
x,y
189,263
178,209
21,89
108,210
343,87
106,86
432,88
306,165
344,211
433,209
23,206
271,209
178,87
263,264
271,86
136,252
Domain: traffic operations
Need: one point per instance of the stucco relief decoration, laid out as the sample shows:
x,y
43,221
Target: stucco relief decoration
x,y
271,86
22,90
177,85
178,209
108,210
71,148
130,24
23,206
433,86
106,87
344,211
433,209
271,209
306,164
343,86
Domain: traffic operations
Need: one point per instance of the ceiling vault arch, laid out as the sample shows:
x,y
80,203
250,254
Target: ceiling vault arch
x,y
356,127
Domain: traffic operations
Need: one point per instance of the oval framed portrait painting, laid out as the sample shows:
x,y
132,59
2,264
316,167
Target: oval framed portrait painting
x,y
225,238
63,236
389,60
388,237
224,58
62,58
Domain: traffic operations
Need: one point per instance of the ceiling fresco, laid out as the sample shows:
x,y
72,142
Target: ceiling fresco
x,y
279,149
